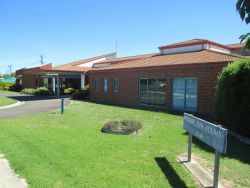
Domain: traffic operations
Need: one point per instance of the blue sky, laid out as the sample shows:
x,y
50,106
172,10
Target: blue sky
x,y
68,30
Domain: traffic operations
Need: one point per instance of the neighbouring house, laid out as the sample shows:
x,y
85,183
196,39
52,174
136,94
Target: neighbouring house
x,y
182,76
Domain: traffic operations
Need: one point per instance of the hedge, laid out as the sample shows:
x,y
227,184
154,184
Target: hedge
x,y
232,104
41,91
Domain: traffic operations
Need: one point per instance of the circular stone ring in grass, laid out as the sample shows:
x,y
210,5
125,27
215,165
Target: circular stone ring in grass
x,y
124,127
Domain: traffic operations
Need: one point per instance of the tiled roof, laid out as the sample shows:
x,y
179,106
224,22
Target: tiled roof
x,y
75,63
129,58
198,57
235,46
73,66
192,42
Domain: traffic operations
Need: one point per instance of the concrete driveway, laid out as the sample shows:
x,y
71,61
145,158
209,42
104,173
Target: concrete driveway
x,y
33,105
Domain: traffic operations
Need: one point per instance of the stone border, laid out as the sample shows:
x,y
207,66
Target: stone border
x,y
18,103
120,133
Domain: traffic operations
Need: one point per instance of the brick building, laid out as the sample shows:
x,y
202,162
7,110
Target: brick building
x,y
180,77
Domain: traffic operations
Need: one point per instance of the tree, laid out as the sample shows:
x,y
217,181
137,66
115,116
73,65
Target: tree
x,y
243,7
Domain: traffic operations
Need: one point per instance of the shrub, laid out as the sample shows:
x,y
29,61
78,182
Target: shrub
x,y
81,94
122,127
232,104
15,87
29,91
5,85
69,91
41,91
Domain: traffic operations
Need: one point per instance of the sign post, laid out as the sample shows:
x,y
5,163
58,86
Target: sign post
x,y
209,133
62,106
189,147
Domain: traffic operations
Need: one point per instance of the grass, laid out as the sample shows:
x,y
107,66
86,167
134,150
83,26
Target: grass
x,y
4,92
53,150
6,101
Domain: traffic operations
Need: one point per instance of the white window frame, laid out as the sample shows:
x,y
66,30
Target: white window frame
x,y
115,90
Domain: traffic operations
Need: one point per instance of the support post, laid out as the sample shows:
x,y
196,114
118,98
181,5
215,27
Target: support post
x,y
216,169
62,106
58,85
82,81
53,85
189,147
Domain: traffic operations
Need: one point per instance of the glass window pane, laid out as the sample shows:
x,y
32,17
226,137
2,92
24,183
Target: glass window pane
x,y
115,85
151,91
160,94
105,85
178,93
96,84
143,84
191,94
143,91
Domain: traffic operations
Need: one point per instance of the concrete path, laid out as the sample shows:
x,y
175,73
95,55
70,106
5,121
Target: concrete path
x,y
32,105
8,179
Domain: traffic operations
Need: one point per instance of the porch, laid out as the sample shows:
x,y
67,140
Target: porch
x,y
57,81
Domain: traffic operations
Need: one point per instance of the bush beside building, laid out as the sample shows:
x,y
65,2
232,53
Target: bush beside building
x,y
232,106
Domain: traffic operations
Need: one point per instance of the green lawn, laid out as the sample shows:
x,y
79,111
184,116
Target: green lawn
x,y
3,92
53,150
6,101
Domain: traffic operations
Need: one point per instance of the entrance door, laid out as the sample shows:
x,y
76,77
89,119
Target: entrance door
x,y
185,94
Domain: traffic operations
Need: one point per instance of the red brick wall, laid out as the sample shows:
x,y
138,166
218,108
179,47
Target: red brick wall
x,y
129,84
29,81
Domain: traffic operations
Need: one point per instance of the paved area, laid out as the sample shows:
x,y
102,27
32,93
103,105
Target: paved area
x,y
32,105
204,177
8,178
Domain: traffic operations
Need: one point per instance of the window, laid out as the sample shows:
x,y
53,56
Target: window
x,y
95,84
185,94
152,91
115,85
105,85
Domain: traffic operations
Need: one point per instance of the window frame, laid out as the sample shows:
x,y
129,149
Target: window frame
x,y
115,90
105,89
96,85
185,108
155,91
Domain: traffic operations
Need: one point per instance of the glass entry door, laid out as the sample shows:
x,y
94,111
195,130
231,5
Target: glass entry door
x,y
185,94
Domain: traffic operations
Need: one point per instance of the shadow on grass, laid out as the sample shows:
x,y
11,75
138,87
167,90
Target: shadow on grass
x,y
235,149
169,172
